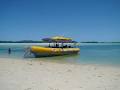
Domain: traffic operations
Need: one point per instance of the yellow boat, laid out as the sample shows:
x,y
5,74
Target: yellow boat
x,y
58,47
47,51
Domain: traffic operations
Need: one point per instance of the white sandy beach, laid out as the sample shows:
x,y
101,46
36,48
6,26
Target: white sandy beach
x,y
40,75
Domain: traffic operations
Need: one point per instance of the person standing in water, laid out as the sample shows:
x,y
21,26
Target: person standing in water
x,y
9,51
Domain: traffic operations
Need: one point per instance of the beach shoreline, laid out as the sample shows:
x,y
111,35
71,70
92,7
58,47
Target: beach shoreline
x,y
22,74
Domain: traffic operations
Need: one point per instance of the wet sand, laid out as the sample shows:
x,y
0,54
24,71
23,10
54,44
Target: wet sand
x,y
41,75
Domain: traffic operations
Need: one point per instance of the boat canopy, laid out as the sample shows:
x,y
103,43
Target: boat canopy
x,y
59,39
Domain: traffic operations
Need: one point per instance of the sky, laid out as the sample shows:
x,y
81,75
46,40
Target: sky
x,y
82,20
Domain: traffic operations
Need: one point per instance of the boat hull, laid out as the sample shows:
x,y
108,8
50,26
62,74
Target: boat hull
x,y
46,51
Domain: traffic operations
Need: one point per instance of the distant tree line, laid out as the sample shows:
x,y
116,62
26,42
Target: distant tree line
x,y
98,42
22,41
31,41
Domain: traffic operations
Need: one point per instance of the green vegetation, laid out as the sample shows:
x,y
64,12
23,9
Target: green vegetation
x,y
31,41
22,41
90,42
98,42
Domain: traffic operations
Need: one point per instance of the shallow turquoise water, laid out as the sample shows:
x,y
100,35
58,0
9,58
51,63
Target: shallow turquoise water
x,y
89,53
